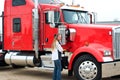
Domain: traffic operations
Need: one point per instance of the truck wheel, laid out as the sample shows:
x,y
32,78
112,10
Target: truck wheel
x,y
87,68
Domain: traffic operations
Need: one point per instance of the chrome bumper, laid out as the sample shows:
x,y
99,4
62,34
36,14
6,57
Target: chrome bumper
x,y
110,69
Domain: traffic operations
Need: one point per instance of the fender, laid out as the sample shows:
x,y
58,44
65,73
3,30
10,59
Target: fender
x,y
86,49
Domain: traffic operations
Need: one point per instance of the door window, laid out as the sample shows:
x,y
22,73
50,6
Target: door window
x,y
18,2
16,25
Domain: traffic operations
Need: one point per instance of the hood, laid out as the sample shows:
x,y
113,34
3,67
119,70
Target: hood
x,y
95,26
92,34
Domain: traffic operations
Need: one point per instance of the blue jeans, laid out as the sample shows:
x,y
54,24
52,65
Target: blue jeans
x,y
57,70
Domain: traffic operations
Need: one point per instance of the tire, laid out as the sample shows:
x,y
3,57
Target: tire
x,y
87,68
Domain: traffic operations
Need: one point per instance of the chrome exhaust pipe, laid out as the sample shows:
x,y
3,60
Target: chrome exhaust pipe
x,y
35,29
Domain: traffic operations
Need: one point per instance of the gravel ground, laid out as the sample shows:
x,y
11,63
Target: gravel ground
x,y
8,73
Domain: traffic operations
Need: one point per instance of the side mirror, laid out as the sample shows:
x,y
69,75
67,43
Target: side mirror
x,y
93,17
50,18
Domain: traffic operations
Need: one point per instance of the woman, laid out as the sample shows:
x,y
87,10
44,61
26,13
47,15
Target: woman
x,y
56,56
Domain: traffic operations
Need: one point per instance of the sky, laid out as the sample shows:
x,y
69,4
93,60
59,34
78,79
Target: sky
x,y
1,9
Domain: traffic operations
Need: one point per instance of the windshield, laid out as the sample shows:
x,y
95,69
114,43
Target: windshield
x,y
43,1
76,17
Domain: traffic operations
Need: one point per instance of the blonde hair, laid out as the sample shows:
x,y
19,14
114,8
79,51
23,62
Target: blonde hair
x,y
54,41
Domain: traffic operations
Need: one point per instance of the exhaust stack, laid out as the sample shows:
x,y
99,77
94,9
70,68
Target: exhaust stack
x,y
35,29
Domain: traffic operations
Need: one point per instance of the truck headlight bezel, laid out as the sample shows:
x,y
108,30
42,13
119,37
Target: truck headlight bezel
x,y
107,52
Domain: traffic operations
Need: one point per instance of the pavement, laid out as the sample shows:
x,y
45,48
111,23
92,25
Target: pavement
x,y
8,73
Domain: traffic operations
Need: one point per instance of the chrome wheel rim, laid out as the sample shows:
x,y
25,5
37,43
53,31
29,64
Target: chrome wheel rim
x,y
87,70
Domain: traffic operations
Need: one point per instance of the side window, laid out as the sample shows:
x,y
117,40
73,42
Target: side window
x,y
46,18
18,2
16,25
56,17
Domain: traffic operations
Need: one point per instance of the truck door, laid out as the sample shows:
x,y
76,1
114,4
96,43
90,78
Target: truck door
x,y
50,30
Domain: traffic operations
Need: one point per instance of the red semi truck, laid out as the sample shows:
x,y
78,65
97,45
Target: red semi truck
x,y
92,51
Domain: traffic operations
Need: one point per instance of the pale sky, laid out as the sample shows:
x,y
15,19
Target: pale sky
x,y
1,9
1,5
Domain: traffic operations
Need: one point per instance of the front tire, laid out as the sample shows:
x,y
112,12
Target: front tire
x,y
87,68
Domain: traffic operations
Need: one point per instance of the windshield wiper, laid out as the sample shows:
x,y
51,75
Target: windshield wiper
x,y
83,20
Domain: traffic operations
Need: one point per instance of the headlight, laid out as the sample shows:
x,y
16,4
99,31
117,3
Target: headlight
x,y
107,53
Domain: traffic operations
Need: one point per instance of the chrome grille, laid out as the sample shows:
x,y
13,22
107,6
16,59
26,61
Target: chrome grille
x,y
116,42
